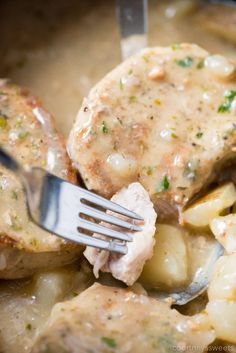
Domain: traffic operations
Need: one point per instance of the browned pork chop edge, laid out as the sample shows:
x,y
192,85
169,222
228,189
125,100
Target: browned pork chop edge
x,y
27,131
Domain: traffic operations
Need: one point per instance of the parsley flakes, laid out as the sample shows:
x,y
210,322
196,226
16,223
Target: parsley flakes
x,y
226,105
132,99
110,342
186,62
164,184
104,128
3,121
175,46
201,64
199,135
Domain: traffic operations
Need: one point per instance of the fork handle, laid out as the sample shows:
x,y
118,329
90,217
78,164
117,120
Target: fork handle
x,y
8,162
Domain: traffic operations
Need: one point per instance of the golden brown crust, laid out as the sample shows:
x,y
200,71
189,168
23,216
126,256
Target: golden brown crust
x,y
5,241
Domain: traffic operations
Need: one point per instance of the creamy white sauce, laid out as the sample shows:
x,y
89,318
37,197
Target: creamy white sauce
x,y
62,49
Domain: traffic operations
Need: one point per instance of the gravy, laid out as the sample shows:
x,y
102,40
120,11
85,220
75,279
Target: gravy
x,y
61,50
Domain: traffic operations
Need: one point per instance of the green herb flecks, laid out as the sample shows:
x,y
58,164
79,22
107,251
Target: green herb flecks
x,y
226,105
149,170
132,99
23,134
230,94
146,58
16,226
104,128
200,64
3,121
19,122
34,242
164,184
174,136
186,62
175,46
110,342
130,71
199,135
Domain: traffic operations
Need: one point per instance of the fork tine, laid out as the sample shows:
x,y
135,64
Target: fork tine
x,y
97,228
109,205
102,244
102,216
88,240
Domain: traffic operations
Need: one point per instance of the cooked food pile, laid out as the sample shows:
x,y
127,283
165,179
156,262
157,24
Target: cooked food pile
x,y
120,320
165,118
28,133
157,135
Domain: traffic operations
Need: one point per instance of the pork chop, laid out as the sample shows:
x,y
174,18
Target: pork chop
x,y
128,267
165,117
105,319
27,132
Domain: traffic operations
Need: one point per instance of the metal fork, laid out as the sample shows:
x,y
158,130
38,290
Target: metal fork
x,y
59,206
132,18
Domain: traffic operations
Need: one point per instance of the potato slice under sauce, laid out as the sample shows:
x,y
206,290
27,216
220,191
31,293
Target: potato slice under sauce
x,y
222,298
168,266
224,229
200,213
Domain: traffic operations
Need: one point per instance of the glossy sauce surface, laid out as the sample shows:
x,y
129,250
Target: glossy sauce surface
x,y
75,43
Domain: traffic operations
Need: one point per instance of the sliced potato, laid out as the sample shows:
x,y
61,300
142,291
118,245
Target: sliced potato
x,y
200,246
55,283
224,229
222,315
60,284
200,213
222,298
168,266
223,282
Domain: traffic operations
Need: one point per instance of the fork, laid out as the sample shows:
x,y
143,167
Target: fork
x,y
132,19
59,207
